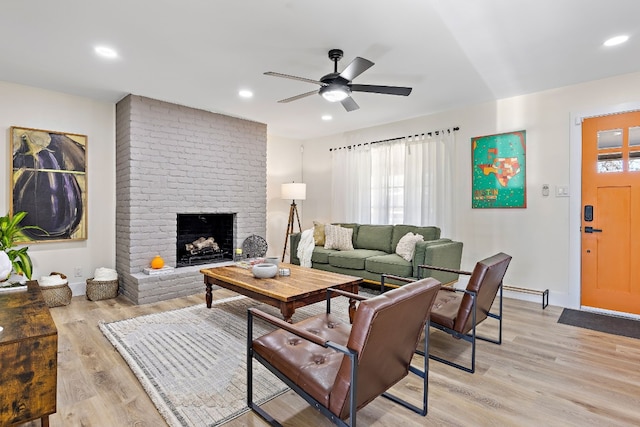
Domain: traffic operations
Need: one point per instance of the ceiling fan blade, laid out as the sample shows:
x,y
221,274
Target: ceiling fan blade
x,y
302,95
349,104
287,76
387,90
355,68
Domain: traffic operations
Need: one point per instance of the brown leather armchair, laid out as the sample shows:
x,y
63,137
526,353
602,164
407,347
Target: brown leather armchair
x,y
339,368
458,311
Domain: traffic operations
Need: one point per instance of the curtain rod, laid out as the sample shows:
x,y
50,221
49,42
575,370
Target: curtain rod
x,y
437,132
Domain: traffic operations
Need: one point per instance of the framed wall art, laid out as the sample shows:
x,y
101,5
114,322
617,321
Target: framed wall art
x,y
49,182
499,171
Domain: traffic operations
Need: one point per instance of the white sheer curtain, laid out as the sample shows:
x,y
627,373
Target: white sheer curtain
x,y
387,182
401,181
351,183
428,185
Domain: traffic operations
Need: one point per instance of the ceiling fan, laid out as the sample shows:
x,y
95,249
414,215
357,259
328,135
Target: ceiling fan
x,y
337,87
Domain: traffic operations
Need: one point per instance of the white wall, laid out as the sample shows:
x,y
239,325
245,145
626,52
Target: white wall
x,y
35,108
537,237
284,164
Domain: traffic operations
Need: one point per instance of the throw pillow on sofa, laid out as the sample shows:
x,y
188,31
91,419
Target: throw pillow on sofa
x,y
338,238
318,233
407,245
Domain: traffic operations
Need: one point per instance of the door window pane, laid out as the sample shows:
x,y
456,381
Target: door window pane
x,y
609,162
609,138
634,136
634,161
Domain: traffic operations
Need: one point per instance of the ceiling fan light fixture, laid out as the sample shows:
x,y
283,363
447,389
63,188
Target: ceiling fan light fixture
x,y
335,93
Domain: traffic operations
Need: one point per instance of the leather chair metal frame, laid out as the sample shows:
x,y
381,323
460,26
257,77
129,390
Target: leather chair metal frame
x,y
423,373
471,336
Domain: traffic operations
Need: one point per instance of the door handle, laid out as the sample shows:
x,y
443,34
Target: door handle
x,y
592,230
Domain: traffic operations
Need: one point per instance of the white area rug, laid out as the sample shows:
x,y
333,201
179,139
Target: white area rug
x,y
192,361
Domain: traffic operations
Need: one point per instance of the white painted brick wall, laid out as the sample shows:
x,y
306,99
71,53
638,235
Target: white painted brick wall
x,y
173,159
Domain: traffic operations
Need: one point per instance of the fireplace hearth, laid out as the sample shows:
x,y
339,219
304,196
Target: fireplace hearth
x,y
204,238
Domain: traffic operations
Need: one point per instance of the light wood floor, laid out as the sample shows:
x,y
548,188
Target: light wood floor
x,y
544,374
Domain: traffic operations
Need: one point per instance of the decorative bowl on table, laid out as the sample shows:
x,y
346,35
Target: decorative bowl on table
x,y
264,270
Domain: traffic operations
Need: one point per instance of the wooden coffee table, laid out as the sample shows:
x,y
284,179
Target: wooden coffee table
x,y
303,287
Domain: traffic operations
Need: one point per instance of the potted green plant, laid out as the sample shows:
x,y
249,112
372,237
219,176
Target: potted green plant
x,y
11,235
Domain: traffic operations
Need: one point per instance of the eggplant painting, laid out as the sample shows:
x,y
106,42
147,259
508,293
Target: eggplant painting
x,y
50,183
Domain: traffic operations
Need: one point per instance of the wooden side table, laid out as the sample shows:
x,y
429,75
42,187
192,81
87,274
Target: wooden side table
x,y
28,357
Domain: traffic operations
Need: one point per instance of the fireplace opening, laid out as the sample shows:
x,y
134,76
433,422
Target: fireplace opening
x,y
204,238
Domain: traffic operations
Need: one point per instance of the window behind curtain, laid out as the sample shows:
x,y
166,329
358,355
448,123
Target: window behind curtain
x,y
387,182
401,181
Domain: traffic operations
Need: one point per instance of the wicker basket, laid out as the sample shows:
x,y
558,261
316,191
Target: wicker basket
x,y
56,295
99,290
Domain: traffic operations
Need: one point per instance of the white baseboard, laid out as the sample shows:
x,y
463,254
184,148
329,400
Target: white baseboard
x,y
78,288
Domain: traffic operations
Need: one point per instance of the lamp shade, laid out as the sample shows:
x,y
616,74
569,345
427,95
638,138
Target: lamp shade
x,y
294,191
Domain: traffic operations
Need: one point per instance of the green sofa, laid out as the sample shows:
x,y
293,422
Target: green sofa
x,y
374,253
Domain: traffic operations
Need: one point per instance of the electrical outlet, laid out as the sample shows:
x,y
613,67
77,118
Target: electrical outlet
x,y
77,271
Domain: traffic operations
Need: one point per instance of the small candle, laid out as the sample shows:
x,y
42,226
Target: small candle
x,y
285,272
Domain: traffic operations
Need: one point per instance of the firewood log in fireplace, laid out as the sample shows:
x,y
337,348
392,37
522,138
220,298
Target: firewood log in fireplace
x,y
200,245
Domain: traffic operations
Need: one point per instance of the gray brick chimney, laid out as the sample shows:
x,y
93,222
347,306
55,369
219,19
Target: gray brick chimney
x,y
172,159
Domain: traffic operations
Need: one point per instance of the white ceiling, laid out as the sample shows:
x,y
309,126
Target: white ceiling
x,y
200,53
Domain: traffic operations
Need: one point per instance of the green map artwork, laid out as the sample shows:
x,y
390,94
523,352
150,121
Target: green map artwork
x,y
498,176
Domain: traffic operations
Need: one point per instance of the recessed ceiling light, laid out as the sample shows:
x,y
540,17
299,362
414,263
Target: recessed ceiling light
x,y
106,52
327,117
245,94
614,41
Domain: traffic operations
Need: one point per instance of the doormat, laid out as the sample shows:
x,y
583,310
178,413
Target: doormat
x,y
601,322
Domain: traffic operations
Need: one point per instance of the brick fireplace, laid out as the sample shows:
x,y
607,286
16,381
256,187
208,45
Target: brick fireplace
x,y
172,160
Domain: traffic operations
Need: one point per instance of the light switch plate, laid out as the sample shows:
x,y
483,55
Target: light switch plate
x,y
562,191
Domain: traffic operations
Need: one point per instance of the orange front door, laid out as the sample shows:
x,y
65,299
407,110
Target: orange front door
x,y
611,212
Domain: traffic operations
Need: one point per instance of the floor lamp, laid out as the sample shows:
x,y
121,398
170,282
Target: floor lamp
x,y
294,191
